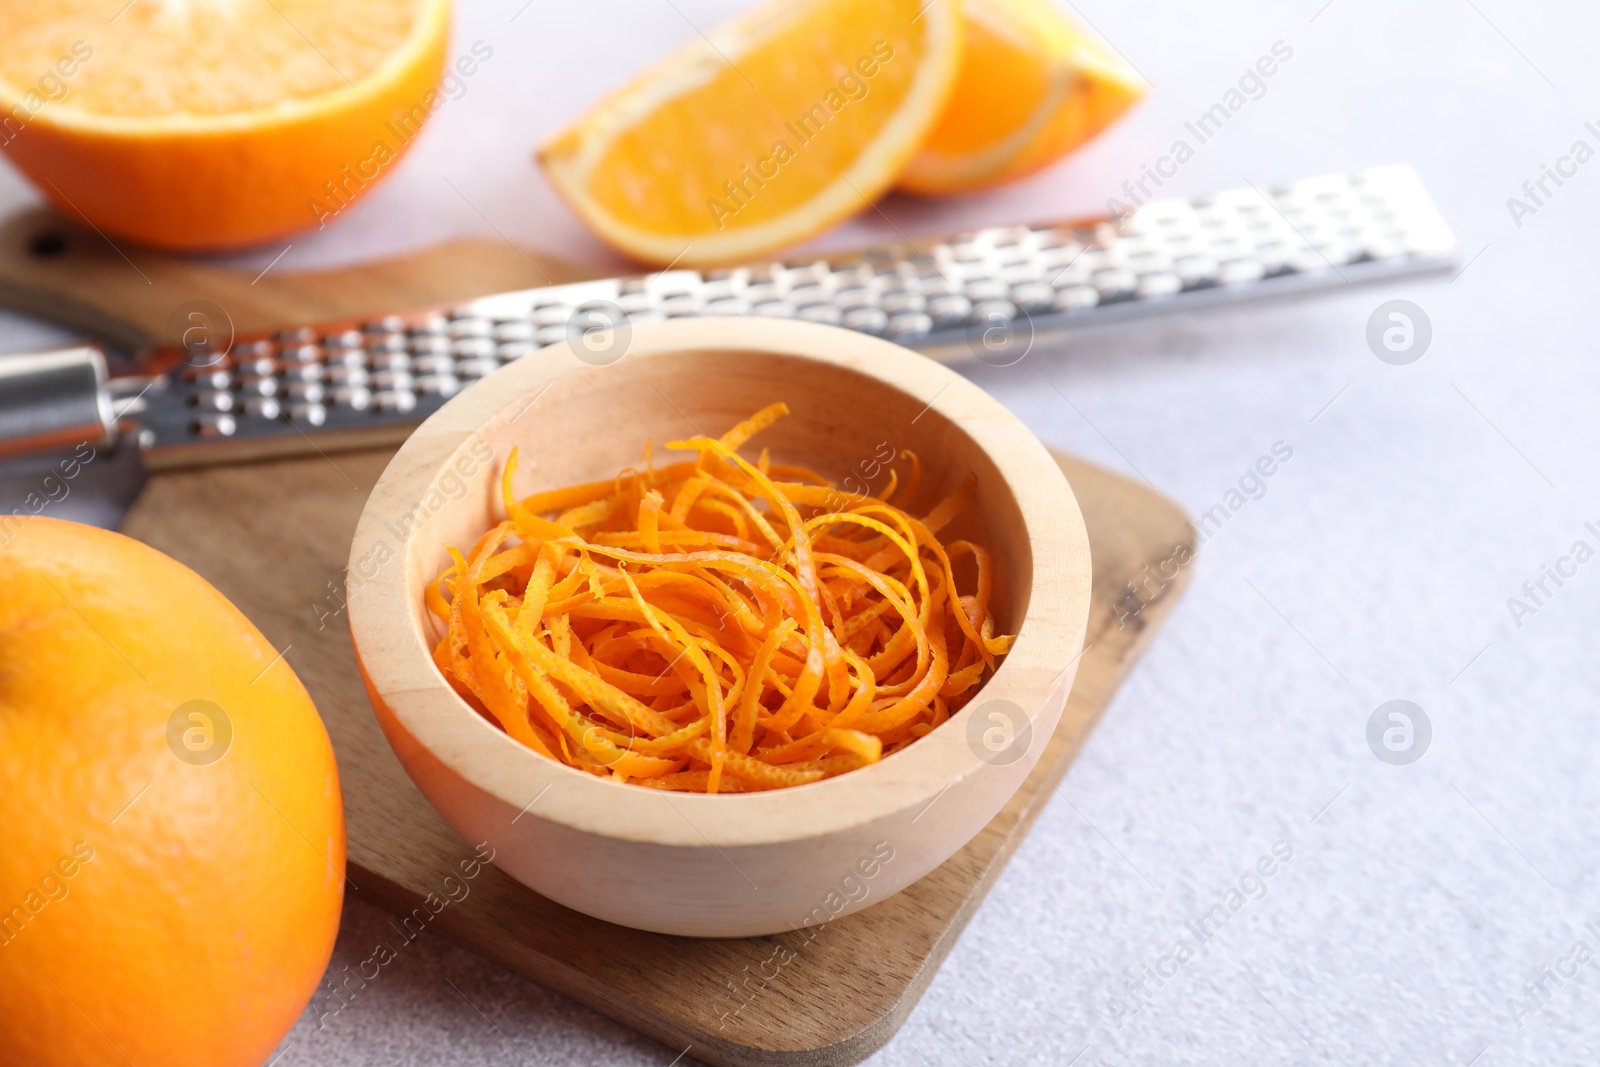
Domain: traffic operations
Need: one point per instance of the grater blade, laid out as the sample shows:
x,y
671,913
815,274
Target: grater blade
x,y
988,294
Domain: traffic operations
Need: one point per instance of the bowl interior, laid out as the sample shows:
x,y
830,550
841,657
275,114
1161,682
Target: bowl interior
x,y
853,400
588,425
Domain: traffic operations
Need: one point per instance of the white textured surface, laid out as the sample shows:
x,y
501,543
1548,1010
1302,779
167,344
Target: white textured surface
x,y
1422,897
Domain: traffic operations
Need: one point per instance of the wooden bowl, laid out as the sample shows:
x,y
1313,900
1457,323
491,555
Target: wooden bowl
x,y
742,864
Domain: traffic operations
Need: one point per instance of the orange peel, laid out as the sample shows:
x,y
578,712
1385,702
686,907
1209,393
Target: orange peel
x,y
717,625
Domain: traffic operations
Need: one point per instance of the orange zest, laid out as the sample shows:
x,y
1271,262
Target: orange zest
x,y
716,625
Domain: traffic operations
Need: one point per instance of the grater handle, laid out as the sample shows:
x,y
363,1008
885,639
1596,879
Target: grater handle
x,y
54,399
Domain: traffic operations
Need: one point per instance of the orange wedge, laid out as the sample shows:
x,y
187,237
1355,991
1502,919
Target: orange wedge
x,y
213,124
1033,86
762,132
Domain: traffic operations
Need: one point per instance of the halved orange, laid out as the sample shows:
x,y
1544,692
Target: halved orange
x,y
762,132
214,124
1033,86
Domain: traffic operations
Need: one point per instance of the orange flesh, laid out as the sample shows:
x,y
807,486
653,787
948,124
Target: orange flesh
x,y
1032,87
717,625
211,124
760,127
995,94
202,57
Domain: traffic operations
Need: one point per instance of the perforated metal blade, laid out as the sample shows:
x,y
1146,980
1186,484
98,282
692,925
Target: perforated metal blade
x,y
992,295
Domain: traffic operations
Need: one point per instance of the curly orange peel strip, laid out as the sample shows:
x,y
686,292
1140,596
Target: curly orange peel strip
x,y
716,625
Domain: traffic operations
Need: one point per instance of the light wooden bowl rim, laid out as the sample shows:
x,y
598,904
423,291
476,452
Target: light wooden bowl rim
x,y
394,655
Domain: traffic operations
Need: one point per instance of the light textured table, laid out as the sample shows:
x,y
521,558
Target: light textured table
x,y
1376,565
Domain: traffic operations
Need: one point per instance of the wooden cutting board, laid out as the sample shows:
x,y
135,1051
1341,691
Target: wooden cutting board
x,y
274,538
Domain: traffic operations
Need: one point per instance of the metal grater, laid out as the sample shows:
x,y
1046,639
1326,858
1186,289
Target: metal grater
x,y
988,294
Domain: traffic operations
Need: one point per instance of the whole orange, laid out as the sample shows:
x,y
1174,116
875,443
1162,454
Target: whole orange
x,y
213,125
173,867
